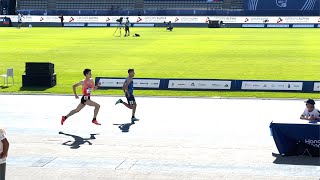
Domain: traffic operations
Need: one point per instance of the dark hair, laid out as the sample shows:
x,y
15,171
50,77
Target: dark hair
x,y
310,101
130,70
86,71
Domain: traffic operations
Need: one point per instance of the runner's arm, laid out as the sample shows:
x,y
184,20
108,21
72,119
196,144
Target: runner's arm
x,y
74,88
5,144
126,86
96,87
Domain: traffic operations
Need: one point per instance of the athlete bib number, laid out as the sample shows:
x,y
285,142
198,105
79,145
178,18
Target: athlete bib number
x,y
131,102
89,91
85,97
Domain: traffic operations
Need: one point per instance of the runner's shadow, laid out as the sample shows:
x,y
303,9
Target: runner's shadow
x,y
78,141
34,88
124,127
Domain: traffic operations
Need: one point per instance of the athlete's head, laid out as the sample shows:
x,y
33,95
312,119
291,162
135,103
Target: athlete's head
x,y
310,104
131,72
87,73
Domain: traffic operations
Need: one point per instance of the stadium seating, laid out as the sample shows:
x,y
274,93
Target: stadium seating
x,y
182,5
95,4
32,4
130,7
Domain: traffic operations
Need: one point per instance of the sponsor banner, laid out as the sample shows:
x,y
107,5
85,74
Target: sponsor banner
x,y
199,84
153,19
259,20
174,19
74,24
303,25
146,83
108,83
278,25
225,19
143,25
88,19
266,85
116,25
137,83
279,20
213,84
84,19
304,19
97,24
192,19
313,142
253,25
48,19
316,86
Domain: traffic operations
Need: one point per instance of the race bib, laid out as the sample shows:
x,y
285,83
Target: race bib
x,y
89,90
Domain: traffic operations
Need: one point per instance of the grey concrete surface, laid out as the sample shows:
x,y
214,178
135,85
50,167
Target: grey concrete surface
x,y
176,138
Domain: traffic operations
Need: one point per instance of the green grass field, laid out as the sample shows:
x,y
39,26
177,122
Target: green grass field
x,y
262,54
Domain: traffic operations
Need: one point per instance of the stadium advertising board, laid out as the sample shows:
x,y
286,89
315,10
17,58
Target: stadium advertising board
x,y
275,86
316,87
212,84
173,19
303,25
253,25
139,83
153,19
199,84
278,25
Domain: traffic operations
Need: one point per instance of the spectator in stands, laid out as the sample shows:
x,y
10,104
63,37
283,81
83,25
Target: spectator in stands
x,y
61,19
127,27
310,113
4,147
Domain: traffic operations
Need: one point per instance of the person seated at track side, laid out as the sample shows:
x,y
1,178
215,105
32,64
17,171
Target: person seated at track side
x,y
310,113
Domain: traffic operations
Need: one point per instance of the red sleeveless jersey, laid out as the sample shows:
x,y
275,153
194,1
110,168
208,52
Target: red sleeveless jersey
x,y
87,87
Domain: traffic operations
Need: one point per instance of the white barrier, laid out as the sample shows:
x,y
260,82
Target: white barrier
x,y
174,19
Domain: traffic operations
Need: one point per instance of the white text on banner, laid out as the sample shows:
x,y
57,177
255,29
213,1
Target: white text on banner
x,y
266,85
139,83
174,19
316,86
199,84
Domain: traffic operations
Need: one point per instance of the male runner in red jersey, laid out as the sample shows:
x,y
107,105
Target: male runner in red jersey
x,y
87,87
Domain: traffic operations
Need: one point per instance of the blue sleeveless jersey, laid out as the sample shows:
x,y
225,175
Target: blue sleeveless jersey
x,y
130,87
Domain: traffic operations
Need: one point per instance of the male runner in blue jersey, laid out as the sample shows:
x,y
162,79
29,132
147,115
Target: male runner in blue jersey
x,y
128,90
